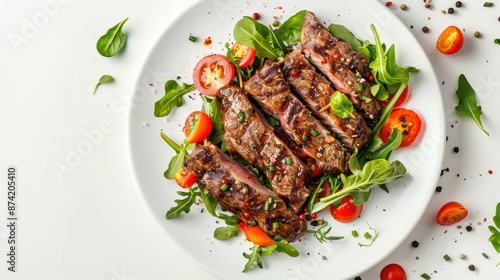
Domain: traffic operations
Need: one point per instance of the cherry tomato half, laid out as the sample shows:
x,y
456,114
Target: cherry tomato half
x,y
211,73
244,53
256,235
451,213
184,178
393,271
407,121
347,210
314,166
197,127
450,40
403,98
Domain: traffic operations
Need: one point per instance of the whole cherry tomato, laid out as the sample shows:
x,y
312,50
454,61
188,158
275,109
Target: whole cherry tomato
x,y
393,271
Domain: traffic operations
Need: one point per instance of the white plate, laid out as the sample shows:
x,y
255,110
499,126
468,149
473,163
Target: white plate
x,y
393,215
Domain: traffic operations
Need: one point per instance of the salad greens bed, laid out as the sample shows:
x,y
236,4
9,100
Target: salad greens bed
x,y
369,167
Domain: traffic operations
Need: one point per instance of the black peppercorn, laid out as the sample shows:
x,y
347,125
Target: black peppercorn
x,y
458,4
415,244
425,29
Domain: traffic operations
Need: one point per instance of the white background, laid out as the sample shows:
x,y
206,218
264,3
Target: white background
x,y
88,221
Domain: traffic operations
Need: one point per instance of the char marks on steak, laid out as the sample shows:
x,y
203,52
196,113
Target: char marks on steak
x,y
270,89
244,192
248,135
316,92
339,63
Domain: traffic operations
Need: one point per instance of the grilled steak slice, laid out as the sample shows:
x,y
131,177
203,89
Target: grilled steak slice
x,y
316,92
244,192
273,93
333,57
250,136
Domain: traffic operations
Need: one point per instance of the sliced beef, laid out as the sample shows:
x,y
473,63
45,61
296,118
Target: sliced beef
x,y
335,59
248,135
316,92
238,190
270,89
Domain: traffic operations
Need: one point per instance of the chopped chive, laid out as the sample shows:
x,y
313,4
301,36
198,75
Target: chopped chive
x,y
360,87
193,38
224,187
367,235
276,225
266,207
425,276
446,257
288,160
354,233
488,4
241,117
313,132
270,200
304,137
271,168
485,256
358,75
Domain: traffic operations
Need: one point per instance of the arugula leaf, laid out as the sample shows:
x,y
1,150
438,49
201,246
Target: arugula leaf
x,y
291,29
248,31
173,97
113,41
374,172
341,105
209,200
211,106
177,161
467,103
284,246
103,80
231,228
183,205
253,258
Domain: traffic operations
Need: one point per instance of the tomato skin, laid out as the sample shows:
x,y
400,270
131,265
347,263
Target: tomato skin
x,y
316,170
450,40
407,121
197,127
184,178
403,98
256,235
347,210
211,73
244,53
451,213
393,271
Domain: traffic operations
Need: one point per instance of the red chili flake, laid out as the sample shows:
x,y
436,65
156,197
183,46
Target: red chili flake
x,y
246,214
324,61
388,3
256,16
150,84
490,171
336,56
207,41
294,73
371,78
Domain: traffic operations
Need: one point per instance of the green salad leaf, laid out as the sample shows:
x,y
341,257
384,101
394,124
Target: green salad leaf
x,y
467,103
103,80
184,204
291,29
341,105
172,98
250,32
113,41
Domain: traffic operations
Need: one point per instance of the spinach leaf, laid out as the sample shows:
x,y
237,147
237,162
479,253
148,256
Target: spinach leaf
x,y
363,47
173,97
183,205
341,105
467,103
495,230
113,41
211,106
103,80
374,172
291,29
248,31
277,42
